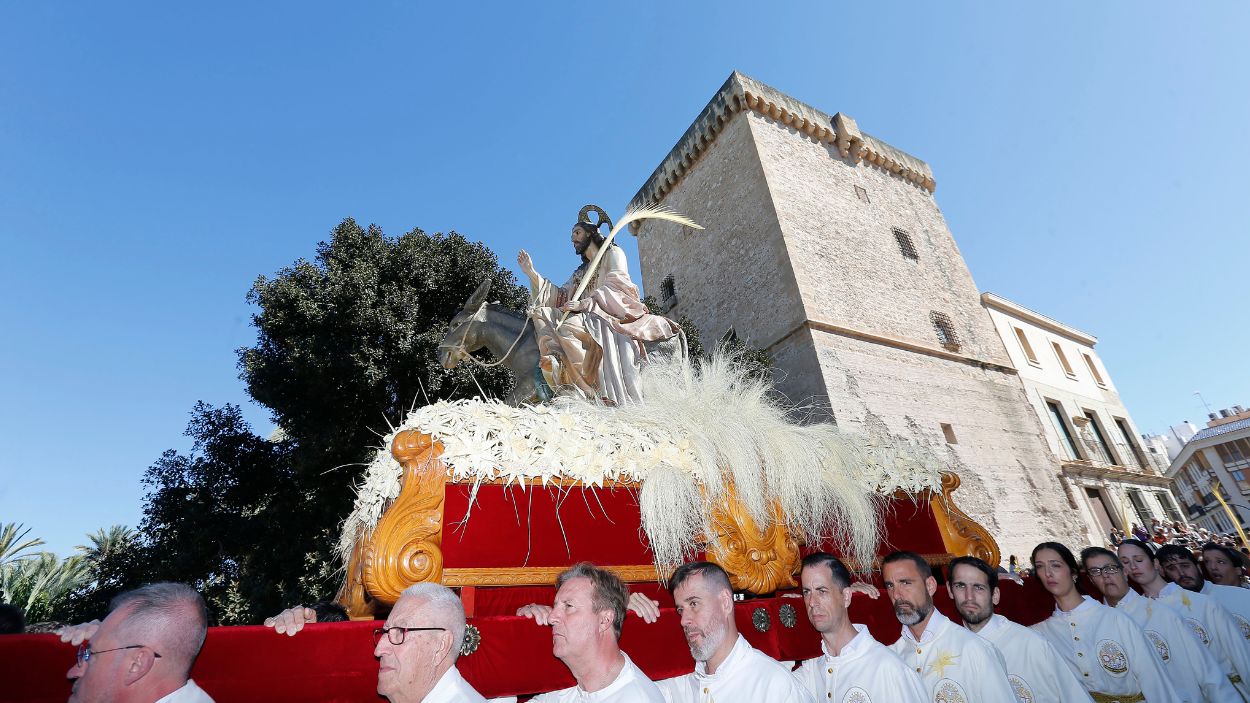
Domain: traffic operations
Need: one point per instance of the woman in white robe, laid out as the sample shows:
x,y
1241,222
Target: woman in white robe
x,y
1109,654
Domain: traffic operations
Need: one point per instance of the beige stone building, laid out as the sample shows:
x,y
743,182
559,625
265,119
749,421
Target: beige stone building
x,y
1218,456
825,246
1116,480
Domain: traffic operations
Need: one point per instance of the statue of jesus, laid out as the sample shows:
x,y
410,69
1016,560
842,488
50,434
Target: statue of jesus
x,y
598,350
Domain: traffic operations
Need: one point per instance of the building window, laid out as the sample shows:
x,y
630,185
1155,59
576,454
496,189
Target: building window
x,y
949,433
1240,478
862,194
1066,440
1169,506
945,330
1130,447
1139,506
668,292
1026,347
1063,360
905,244
1093,370
1096,429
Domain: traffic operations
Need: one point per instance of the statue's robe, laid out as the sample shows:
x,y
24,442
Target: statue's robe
x,y
598,350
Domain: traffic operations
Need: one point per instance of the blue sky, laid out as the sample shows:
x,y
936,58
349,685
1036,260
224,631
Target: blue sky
x,y
155,158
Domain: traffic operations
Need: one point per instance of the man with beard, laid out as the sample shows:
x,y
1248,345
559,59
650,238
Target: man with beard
x,y
855,668
1207,620
1035,670
597,351
727,669
954,663
1181,568
585,630
1194,673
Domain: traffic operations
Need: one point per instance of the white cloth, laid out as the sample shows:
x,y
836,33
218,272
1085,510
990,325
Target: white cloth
x,y
1036,672
1235,600
189,693
452,688
864,672
747,675
1109,653
954,664
1214,627
629,686
1193,671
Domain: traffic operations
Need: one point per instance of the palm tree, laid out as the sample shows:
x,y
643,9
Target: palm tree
x,y
36,580
106,543
12,548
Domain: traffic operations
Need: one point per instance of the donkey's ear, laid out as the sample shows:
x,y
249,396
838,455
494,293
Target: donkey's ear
x,y
479,296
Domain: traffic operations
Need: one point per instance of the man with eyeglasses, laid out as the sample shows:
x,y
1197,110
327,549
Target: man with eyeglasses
x,y
1194,673
418,646
144,649
1036,672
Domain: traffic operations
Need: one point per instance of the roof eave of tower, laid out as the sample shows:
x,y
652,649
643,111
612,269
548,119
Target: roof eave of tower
x,y
743,92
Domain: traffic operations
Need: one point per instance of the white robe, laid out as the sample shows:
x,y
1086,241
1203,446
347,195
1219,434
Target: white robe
x,y
1215,628
190,692
955,664
747,675
629,686
864,672
1108,652
1035,670
1235,600
1193,671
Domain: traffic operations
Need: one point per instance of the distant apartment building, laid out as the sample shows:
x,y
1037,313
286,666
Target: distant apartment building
x,y
1113,479
1217,456
1173,441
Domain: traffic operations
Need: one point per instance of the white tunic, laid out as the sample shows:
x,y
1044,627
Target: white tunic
x,y
955,664
452,688
865,672
1235,600
747,675
1109,653
188,693
1193,671
1214,627
629,686
1035,670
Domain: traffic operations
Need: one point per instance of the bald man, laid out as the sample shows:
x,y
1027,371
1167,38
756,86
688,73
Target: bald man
x,y
144,649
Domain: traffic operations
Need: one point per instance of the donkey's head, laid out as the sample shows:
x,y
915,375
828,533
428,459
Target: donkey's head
x,y
463,333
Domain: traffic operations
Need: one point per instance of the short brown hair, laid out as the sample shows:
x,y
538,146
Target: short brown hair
x,y
609,591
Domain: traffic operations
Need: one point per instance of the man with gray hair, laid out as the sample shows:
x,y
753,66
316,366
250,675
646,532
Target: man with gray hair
x,y
586,625
416,647
144,649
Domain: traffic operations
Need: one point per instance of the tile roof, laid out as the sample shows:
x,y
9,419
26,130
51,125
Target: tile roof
x,y
1221,430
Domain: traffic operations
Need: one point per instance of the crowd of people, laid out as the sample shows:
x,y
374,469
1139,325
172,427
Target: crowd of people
x,y
1161,532
1156,627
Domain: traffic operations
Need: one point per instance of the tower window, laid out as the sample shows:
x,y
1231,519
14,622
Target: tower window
x,y
945,330
668,292
905,245
862,194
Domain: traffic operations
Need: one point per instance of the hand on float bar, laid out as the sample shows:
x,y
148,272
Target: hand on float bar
x,y
641,605
291,620
77,634
865,588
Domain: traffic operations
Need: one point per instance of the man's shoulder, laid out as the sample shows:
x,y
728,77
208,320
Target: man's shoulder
x,y
189,693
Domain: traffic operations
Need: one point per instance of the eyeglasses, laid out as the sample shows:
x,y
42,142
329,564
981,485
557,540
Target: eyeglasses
x,y
1108,570
84,654
395,635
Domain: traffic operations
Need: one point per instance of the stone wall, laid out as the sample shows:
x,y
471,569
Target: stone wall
x,y
794,260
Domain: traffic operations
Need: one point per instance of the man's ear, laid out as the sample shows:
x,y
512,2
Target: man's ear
x,y
847,593
930,585
950,592
727,601
138,664
996,595
443,649
605,620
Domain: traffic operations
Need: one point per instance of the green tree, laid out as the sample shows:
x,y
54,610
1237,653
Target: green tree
x,y
346,344
38,582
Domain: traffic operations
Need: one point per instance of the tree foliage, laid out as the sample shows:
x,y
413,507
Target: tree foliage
x,y
38,582
346,344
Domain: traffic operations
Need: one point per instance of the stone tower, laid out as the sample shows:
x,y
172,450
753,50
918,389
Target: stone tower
x,y
825,246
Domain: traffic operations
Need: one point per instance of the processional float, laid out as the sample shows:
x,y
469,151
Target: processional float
x,y
660,462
